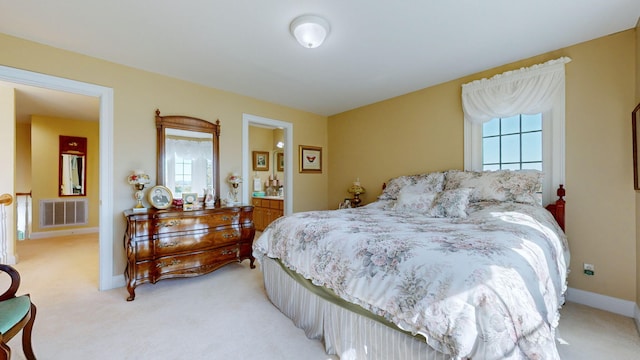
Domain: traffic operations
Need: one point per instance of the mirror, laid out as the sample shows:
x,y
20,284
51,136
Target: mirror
x,y
188,155
72,167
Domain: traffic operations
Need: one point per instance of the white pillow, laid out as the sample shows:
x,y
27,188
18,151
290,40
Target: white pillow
x,y
451,203
414,198
432,182
501,185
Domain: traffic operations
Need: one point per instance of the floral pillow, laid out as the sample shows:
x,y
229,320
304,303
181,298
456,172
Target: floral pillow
x,y
451,203
502,185
432,182
414,199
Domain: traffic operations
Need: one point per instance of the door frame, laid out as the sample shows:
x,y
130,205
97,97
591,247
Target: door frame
x,y
106,279
248,120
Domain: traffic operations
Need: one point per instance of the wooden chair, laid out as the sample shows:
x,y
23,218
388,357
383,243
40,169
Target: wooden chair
x,y
16,313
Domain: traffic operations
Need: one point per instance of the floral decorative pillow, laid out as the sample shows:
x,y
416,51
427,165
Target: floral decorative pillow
x,y
451,203
432,182
414,199
502,185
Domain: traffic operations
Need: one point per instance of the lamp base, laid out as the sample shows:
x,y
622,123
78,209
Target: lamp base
x,y
356,200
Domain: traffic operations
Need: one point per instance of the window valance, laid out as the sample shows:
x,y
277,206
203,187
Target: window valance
x,y
524,91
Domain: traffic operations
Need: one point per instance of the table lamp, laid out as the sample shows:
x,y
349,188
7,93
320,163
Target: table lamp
x,y
356,189
138,179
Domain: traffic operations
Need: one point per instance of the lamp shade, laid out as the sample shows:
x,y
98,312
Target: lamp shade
x,y
310,30
234,179
138,177
356,189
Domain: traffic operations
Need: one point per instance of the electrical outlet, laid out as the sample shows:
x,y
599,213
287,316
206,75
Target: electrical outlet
x,y
589,269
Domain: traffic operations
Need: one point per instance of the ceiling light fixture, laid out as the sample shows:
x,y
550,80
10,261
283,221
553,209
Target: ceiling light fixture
x,y
310,30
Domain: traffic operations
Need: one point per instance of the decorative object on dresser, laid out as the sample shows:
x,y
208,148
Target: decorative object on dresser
x,y
160,197
356,189
265,211
165,244
189,201
234,180
139,180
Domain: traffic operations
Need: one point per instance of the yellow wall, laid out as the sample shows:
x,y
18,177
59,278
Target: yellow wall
x,y
423,132
45,139
138,93
23,158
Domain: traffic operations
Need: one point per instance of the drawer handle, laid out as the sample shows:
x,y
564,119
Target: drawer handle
x,y
231,235
226,218
167,245
168,263
229,252
169,223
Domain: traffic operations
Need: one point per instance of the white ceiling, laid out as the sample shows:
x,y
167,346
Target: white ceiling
x,y
377,49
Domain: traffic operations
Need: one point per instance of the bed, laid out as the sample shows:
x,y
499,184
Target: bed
x,y
445,265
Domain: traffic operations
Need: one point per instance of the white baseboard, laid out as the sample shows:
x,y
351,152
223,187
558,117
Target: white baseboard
x,y
56,233
118,281
603,302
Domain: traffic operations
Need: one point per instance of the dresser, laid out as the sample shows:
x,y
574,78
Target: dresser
x,y
166,244
266,210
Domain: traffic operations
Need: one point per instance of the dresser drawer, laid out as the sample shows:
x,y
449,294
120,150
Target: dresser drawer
x,y
188,264
164,225
192,242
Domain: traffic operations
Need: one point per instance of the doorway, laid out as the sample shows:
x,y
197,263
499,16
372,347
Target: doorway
x,y
249,120
106,279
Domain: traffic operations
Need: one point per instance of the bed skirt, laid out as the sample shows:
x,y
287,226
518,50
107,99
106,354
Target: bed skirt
x,y
345,333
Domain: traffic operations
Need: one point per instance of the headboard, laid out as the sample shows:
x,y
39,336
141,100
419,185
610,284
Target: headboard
x,y
557,209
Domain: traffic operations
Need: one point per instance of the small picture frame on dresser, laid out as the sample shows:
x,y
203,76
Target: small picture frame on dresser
x,y
189,201
160,197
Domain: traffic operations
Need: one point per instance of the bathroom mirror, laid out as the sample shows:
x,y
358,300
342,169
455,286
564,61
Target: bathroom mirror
x,y
72,166
188,155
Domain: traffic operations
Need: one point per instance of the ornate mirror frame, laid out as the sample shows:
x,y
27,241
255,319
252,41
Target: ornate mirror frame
x,y
72,166
188,123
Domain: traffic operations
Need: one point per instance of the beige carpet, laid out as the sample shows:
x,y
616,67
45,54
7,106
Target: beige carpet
x,y
222,315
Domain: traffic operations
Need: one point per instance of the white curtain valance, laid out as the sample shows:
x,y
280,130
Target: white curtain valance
x,y
524,91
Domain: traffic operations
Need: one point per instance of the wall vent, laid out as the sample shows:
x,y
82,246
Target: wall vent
x,y
63,212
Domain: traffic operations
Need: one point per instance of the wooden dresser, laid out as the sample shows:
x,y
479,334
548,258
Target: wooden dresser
x,y
266,210
165,244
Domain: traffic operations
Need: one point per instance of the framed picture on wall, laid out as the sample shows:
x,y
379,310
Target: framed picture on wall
x,y
280,161
310,159
635,117
260,161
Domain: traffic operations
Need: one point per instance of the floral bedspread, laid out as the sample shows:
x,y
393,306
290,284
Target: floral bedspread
x,y
488,286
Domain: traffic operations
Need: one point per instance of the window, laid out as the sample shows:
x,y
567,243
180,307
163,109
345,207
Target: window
x,y
496,139
512,143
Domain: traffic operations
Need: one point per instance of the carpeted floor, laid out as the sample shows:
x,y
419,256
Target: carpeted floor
x,y
222,315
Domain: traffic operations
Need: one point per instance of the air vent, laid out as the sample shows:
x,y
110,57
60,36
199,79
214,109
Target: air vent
x,y
63,212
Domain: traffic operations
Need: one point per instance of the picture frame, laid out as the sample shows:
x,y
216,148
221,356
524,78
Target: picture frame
x,y
310,159
160,197
636,156
280,161
189,201
260,160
